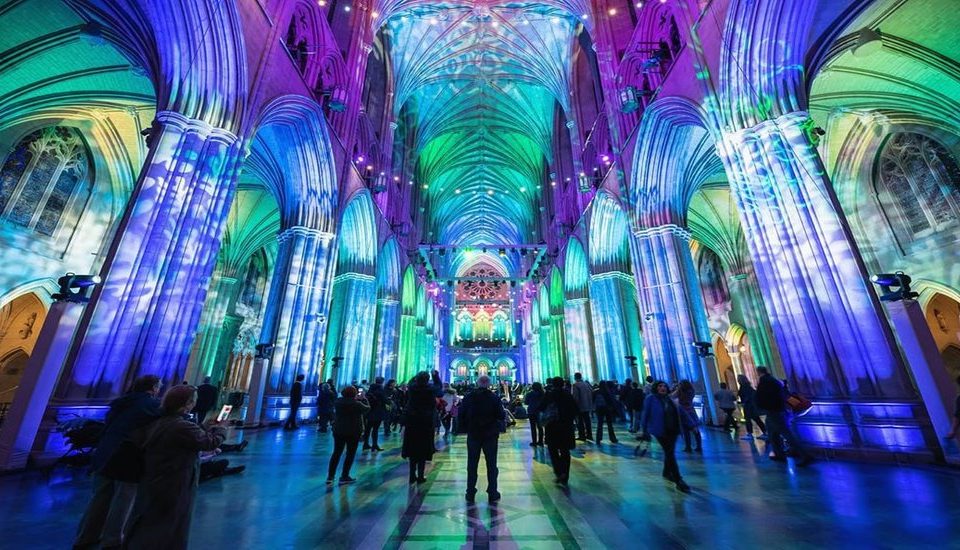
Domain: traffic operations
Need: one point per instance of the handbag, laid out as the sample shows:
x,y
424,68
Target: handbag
x,y
798,404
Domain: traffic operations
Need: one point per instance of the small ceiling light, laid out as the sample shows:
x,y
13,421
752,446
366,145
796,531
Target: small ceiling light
x,y
346,8
374,14
612,11
457,191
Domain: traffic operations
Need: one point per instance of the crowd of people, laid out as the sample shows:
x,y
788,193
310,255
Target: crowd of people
x,y
153,453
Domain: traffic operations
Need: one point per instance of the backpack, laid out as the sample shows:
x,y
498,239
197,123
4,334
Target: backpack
x,y
550,414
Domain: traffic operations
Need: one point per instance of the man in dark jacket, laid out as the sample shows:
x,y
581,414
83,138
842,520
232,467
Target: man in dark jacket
x,y
772,398
206,399
481,417
114,490
326,395
296,397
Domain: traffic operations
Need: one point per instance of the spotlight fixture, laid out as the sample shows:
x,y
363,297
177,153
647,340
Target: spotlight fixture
x,y
895,286
703,349
76,288
502,252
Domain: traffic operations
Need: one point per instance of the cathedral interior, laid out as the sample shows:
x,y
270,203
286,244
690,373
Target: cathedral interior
x,y
253,190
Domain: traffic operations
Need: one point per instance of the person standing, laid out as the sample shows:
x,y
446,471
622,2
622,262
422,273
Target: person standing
x,y
661,419
583,395
451,404
378,410
347,430
165,499
727,402
751,413
772,398
114,482
532,400
605,406
559,412
419,419
206,399
390,406
325,400
482,417
296,397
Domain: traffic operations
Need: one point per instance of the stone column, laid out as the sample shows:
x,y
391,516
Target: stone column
x,y
616,327
558,339
144,317
675,316
350,326
298,309
387,333
832,336
748,304
407,349
579,331
222,294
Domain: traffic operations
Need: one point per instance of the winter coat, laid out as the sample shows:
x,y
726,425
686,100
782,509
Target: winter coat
x,y
582,395
770,397
560,432
419,424
127,414
165,498
532,400
656,411
748,398
482,414
348,422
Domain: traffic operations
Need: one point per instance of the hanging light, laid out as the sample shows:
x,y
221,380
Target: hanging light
x,y
629,100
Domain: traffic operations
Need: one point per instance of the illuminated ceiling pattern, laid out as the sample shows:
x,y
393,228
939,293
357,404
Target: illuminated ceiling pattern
x,y
482,84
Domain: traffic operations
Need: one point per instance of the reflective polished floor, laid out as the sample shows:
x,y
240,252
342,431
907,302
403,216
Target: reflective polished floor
x,y
740,500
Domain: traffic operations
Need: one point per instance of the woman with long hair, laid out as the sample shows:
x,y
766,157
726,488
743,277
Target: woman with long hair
x,y
751,413
662,419
688,416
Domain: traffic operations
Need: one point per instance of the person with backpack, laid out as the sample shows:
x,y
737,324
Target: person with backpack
x,y
558,415
532,400
347,430
483,419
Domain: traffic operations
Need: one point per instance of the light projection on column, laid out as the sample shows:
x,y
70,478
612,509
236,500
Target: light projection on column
x,y
612,290
578,325
352,313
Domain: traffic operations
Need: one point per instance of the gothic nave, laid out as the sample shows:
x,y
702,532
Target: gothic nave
x,y
251,191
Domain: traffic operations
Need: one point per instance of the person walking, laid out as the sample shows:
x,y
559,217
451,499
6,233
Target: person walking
x,y
636,406
113,463
772,397
662,420
689,420
347,430
606,408
296,397
390,406
378,410
532,400
418,419
171,449
559,413
751,413
727,402
583,395
206,399
482,417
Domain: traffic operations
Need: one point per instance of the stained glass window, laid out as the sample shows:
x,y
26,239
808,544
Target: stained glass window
x,y
918,186
41,176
